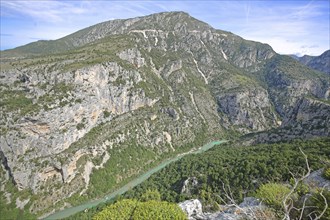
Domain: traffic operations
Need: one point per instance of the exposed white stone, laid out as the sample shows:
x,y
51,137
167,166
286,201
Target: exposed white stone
x,y
192,208
204,77
224,55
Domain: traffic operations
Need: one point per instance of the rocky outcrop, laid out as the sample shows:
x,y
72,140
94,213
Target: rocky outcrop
x,y
51,131
316,180
171,112
288,82
193,208
308,119
312,113
189,184
249,110
133,56
250,208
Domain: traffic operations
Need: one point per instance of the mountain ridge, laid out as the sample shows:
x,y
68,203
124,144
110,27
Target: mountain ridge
x,y
320,63
103,29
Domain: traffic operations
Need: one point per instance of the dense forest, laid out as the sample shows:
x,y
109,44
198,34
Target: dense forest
x,y
258,171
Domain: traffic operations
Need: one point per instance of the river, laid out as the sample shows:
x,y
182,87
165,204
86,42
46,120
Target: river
x,y
73,210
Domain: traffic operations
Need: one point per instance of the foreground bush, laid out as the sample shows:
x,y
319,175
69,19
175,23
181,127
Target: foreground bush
x,y
132,209
273,194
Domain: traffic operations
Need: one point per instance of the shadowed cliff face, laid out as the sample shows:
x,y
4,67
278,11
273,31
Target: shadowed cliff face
x,y
137,89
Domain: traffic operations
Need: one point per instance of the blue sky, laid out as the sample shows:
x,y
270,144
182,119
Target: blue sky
x,y
290,27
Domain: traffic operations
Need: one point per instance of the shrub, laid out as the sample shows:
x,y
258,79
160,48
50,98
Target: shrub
x,y
120,210
132,209
318,204
80,126
326,173
106,114
150,195
158,210
273,194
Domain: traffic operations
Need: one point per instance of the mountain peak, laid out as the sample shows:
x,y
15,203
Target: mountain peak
x,y
177,21
173,13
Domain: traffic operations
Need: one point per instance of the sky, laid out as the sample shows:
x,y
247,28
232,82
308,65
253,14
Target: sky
x,y
291,27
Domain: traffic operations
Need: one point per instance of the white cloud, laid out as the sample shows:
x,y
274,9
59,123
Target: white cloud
x,y
287,28
47,10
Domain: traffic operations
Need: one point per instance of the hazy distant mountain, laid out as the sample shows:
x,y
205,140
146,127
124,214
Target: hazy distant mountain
x,y
294,56
83,114
320,63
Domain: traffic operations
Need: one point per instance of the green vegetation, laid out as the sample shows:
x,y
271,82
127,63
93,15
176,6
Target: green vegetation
x,y
106,114
314,205
132,209
62,88
124,164
17,100
24,103
273,194
158,211
60,92
150,195
244,169
317,204
120,210
249,171
98,52
326,172
9,210
131,158
80,126
293,69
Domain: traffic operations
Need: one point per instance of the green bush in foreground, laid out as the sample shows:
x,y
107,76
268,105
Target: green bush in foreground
x,y
158,210
120,210
273,194
132,209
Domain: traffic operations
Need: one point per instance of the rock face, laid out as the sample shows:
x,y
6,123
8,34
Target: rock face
x,y
315,179
320,63
189,184
248,110
193,208
250,208
309,118
139,89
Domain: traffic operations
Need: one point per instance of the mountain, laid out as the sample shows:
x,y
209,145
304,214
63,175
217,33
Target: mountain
x,y
109,28
84,114
320,63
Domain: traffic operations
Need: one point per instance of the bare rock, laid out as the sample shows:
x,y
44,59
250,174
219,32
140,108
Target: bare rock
x,y
315,179
193,208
